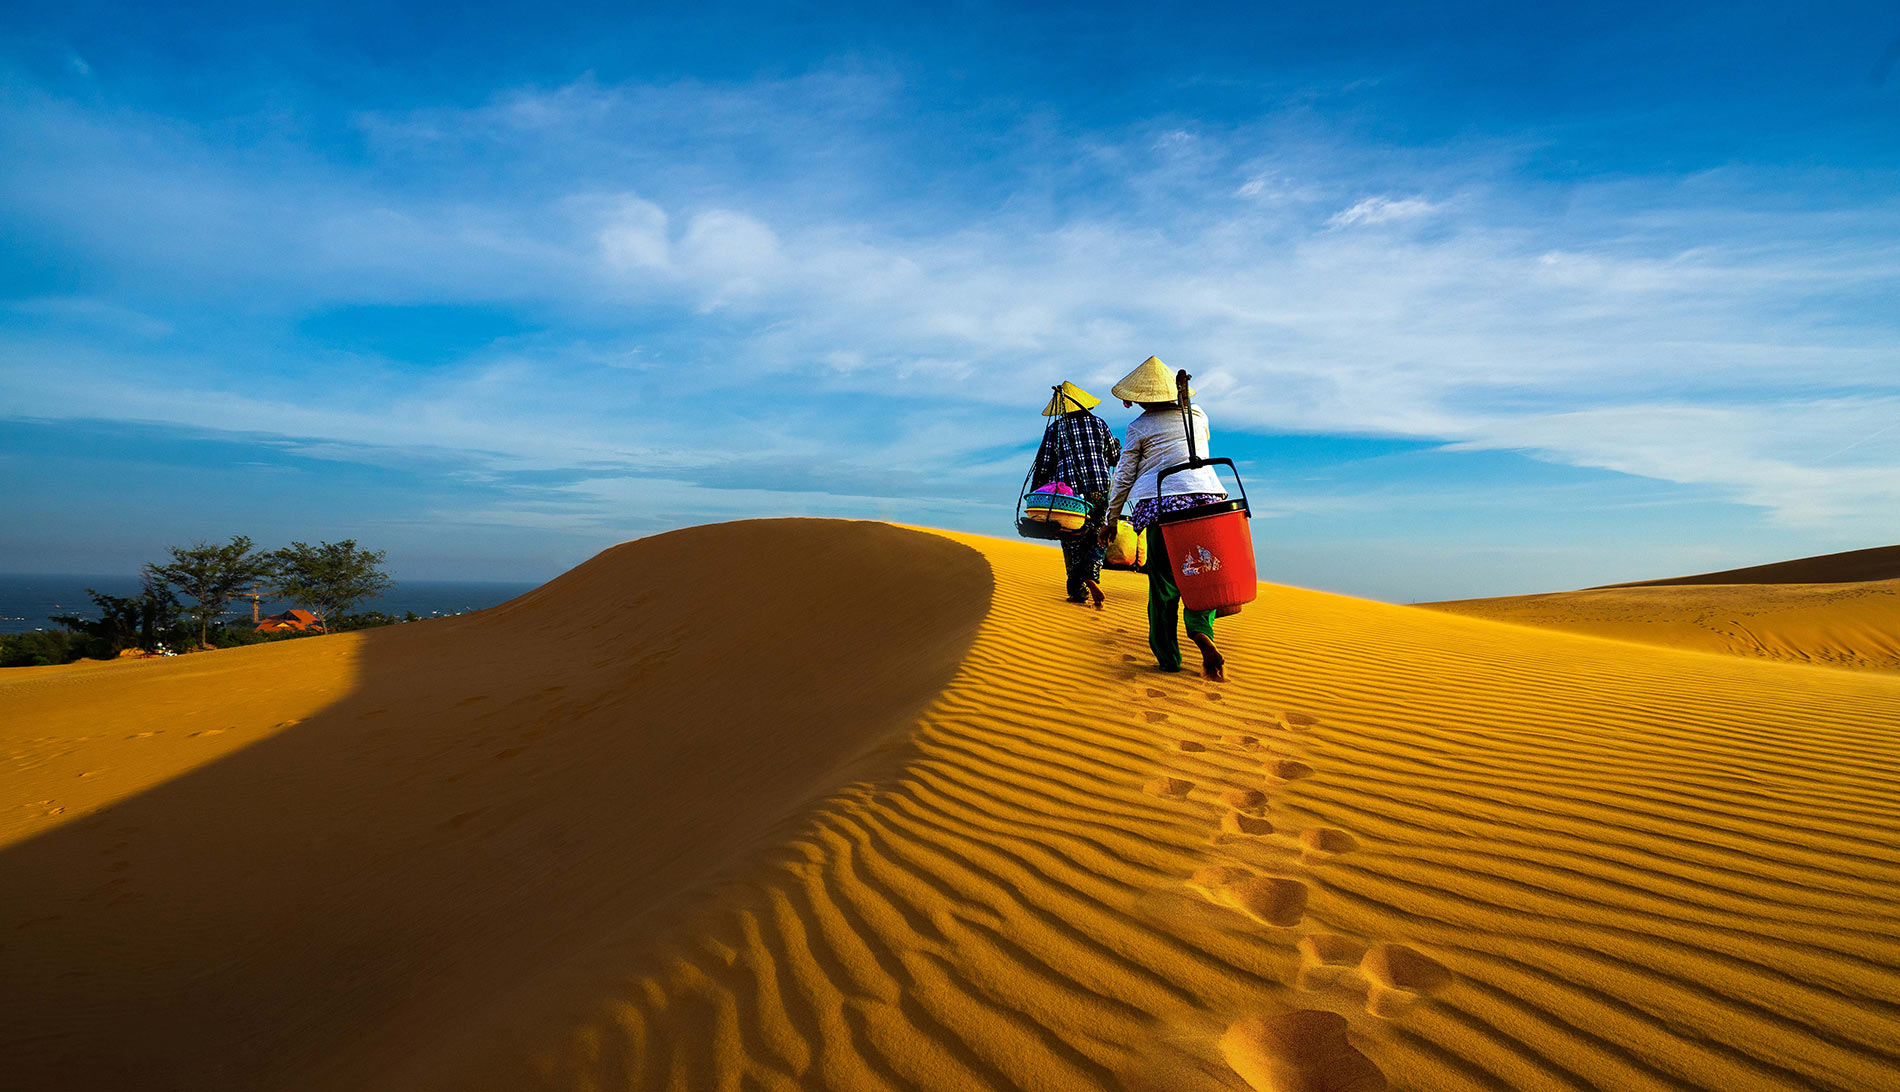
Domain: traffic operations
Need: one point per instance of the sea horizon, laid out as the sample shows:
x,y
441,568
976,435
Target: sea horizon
x,y
29,600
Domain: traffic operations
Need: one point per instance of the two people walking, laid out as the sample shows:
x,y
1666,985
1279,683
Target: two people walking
x,y
1081,444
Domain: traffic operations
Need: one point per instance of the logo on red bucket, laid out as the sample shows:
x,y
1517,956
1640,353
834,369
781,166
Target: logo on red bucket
x,y
1199,561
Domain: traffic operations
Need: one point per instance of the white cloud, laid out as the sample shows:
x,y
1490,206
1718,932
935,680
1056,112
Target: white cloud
x,y
1692,330
732,253
1776,456
633,235
1383,210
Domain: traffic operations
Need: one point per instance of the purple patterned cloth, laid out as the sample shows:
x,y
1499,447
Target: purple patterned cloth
x,y
1147,509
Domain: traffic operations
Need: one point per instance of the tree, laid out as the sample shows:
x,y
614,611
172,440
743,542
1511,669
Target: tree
x,y
209,574
159,615
117,628
330,577
39,648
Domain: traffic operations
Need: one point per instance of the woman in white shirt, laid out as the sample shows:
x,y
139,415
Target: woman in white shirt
x,y
1156,440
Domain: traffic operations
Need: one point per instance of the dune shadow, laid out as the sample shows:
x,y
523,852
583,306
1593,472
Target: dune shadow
x,y
495,792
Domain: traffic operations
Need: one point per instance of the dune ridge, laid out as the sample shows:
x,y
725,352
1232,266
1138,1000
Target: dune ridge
x,y
1401,848
1496,858
1848,567
1852,625
309,864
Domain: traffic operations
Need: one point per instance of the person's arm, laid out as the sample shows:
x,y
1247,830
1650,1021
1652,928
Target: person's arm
x,y
1126,471
1113,446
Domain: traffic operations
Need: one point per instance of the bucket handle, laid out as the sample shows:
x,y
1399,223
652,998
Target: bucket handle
x,y
1195,464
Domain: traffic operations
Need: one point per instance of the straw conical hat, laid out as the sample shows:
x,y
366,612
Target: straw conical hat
x,y
1151,381
1068,399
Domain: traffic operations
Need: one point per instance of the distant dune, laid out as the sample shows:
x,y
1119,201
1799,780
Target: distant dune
x,y
1840,610
1854,566
827,805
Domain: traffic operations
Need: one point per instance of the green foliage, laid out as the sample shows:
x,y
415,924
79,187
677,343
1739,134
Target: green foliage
x,y
239,634
368,619
209,574
162,621
120,620
328,578
40,648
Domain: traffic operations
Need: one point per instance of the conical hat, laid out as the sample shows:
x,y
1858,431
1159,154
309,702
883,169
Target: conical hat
x,y
1151,381
1068,399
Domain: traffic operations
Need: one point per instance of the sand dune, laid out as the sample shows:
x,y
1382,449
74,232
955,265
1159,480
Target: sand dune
x,y
923,825
1853,566
1849,624
321,856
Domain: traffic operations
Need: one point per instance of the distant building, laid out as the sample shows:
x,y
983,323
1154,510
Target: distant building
x,y
291,621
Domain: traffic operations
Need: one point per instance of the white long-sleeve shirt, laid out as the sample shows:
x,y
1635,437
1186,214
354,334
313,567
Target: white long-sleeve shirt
x,y
1156,441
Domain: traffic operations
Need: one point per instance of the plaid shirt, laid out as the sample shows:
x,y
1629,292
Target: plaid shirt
x,y
1079,451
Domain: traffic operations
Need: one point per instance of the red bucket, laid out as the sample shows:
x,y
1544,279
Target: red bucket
x,y
1210,555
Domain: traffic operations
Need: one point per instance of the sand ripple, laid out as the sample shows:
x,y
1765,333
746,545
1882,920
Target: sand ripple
x,y
1399,849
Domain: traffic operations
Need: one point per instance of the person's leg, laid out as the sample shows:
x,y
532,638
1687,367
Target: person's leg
x,y
1164,603
1074,567
1200,629
1091,569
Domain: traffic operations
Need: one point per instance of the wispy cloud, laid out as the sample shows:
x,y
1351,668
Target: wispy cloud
x,y
750,267
1382,210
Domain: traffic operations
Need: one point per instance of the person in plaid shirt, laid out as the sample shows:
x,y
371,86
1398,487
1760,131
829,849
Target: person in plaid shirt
x,y
1079,450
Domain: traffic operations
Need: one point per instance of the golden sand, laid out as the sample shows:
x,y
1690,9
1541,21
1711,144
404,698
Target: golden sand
x,y
1853,625
712,813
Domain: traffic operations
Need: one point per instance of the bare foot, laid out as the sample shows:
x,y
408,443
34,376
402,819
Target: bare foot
x,y
1095,592
1213,664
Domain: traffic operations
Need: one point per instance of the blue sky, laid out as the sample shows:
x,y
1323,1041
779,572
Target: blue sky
x,y
1486,298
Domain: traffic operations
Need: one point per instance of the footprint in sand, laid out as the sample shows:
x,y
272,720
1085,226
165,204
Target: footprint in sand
x,y
1213,879
1325,841
1168,786
210,732
1154,718
1236,822
1190,745
1247,800
1215,695
1296,721
1243,740
1271,900
1327,957
1304,1051
1289,770
1398,975
1128,657
1151,692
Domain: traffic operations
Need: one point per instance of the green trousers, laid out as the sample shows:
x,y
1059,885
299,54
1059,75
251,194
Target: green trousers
x,y
1164,606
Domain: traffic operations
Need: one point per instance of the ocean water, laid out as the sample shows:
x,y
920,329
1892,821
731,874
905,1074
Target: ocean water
x,y
26,600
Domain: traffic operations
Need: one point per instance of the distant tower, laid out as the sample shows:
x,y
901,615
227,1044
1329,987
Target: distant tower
x,y
254,595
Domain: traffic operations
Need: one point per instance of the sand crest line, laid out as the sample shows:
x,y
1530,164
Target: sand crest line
x,y
1425,851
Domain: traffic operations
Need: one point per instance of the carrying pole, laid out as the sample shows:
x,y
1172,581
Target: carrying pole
x,y
1187,420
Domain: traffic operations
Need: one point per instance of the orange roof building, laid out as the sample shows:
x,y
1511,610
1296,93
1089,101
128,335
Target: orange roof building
x,y
291,621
